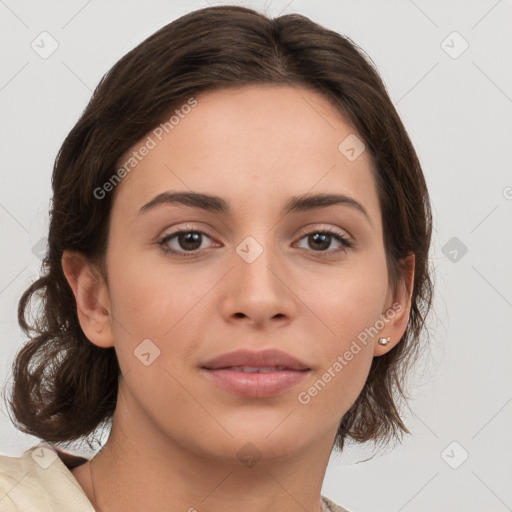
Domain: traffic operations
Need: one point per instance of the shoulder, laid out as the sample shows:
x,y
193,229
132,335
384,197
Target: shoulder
x,y
330,506
40,480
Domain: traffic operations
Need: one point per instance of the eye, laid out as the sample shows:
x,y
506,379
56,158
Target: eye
x,y
187,242
321,240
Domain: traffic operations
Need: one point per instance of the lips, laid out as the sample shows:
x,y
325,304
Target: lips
x,y
257,369
269,358
255,374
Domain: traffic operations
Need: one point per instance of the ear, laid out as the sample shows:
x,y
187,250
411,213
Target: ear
x,y
396,316
92,298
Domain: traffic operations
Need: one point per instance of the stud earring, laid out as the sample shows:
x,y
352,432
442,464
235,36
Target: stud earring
x,y
384,341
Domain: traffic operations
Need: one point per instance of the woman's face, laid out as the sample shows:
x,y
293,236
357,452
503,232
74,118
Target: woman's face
x,y
253,275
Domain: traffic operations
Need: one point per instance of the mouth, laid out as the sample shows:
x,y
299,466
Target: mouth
x,y
254,369
255,374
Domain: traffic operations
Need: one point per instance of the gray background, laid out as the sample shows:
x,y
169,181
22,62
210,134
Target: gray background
x,y
457,108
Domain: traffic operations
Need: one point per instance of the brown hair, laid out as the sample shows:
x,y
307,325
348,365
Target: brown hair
x,y
65,387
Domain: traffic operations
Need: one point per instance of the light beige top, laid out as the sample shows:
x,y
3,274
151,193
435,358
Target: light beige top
x,y
41,481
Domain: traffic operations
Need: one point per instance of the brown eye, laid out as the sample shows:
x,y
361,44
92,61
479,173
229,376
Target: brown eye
x,y
320,241
189,241
183,242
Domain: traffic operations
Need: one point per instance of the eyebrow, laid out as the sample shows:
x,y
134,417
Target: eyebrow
x,y
216,204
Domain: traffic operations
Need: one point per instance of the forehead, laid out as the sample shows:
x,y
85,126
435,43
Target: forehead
x,y
253,145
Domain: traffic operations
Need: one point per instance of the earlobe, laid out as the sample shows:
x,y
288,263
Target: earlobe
x,y
398,313
91,296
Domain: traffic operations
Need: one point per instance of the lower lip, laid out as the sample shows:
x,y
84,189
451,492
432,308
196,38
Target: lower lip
x,y
256,385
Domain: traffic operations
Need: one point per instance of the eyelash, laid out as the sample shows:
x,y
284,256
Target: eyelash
x,y
347,244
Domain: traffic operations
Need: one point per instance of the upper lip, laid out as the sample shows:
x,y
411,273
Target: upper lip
x,y
259,359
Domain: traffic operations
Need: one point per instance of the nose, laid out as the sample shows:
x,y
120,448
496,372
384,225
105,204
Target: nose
x,y
258,292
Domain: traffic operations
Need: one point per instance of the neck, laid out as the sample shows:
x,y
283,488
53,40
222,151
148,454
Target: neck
x,y
137,474
142,468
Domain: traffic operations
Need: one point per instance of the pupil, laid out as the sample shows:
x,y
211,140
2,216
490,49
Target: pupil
x,y
322,237
190,238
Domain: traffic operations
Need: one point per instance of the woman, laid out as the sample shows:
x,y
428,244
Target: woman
x,y
237,275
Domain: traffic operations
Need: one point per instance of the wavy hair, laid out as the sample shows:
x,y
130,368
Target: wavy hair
x,y
64,386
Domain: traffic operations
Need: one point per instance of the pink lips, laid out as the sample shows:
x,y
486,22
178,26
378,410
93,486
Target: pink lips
x,y
256,374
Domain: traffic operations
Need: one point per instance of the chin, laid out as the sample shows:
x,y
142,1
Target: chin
x,y
265,440
251,451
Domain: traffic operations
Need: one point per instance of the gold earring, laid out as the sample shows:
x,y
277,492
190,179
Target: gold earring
x,y
384,341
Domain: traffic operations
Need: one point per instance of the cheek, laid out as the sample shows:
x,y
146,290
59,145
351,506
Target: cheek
x,y
146,296
353,300
336,386
146,307
346,358
350,307
160,302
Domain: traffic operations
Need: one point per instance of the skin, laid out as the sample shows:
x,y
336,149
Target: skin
x,y
175,435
